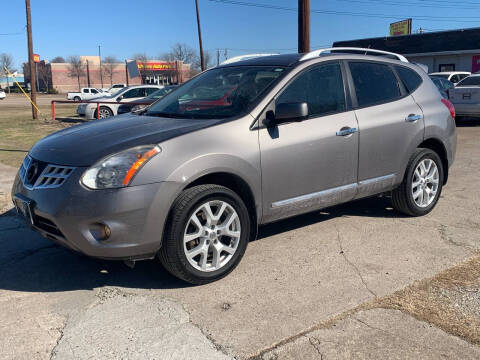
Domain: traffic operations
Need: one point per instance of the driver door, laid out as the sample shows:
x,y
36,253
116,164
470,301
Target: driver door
x,y
310,164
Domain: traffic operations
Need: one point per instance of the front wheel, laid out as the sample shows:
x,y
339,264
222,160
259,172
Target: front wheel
x,y
206,235
422,185
105,112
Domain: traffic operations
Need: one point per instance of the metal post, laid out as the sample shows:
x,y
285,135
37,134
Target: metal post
x,y
53,109
202,63
100,57
36,76
30,61
88,74
303,26
126,72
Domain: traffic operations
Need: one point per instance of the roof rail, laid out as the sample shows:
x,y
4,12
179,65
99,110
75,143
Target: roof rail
x,y
244,57
364,51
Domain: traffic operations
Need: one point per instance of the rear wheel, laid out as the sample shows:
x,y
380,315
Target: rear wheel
x,y
421,188
206,235
76,98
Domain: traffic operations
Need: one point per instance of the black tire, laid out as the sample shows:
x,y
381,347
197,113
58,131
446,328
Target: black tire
x,y
104,108
172,255
76,98
402,197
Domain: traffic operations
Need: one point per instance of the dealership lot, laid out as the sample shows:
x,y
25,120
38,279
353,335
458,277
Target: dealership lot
x,y
336,282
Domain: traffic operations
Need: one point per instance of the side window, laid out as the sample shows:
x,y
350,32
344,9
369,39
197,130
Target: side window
x,y
150,91
374,83
86,91
94,91
409,77
446,84
320,87
138,92
470,81
455,79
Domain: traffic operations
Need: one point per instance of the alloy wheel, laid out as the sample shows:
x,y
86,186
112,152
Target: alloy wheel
x,y
425,183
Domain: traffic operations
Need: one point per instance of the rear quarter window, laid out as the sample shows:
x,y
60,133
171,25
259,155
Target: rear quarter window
x,y
375,83
409,77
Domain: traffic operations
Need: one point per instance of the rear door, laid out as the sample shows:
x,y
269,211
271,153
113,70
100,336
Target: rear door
x,y
311,163
465,96
390,123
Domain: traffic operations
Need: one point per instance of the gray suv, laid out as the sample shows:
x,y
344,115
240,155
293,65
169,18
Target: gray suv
x,y
190,179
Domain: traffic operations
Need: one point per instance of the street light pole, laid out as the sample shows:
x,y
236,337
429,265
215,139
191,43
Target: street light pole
x,y
202,63
31,66
303,26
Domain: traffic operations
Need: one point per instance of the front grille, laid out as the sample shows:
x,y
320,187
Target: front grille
x,y
47,225
37,174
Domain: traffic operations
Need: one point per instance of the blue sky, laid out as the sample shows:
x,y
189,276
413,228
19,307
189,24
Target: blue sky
x,y
125,27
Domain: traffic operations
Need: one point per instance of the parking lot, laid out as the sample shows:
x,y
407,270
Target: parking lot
x,y
352,281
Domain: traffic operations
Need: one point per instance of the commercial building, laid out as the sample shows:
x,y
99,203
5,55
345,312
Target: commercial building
x,y
454,50
63,79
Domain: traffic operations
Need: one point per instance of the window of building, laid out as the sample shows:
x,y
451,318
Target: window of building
x,y
374,83
320,87
446,67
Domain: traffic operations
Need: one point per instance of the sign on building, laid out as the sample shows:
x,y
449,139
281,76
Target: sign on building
x,y
156,65
36,58
132,68
403,27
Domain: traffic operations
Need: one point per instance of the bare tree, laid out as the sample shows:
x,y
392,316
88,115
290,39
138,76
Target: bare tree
x,y
58,59
181,52
6,61
75,68
108,67
197,64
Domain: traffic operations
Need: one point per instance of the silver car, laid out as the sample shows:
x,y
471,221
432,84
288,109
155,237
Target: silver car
x,y
190,179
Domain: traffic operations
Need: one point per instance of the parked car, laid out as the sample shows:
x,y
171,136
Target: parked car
x,y
85,94
126,108
2,94
191,185
453,76
465,96
443,85
114,88
131,93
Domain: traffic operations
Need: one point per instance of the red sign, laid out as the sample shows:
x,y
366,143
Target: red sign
x,y
36,58
475,63
156,66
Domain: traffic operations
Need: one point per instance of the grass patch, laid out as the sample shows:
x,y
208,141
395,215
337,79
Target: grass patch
x,y
18,132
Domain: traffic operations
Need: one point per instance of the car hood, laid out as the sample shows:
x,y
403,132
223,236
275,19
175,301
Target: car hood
x,y
84,145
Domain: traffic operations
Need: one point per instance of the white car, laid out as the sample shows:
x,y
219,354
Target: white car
x,y
2,94
465,96
114,88
85,94
453,76
110,104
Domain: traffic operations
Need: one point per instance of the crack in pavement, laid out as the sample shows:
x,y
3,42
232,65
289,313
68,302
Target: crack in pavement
x,y
357,270
315,342
60,330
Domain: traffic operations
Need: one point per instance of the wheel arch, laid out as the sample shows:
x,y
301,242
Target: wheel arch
x,y
236,184
436,145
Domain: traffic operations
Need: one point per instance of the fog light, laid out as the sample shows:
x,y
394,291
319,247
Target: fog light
x,y
100,231
105,232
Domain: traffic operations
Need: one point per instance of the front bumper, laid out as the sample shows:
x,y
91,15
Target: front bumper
x,y
71,215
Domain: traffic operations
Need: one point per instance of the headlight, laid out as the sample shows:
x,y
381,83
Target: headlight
x,y
118,170
137,107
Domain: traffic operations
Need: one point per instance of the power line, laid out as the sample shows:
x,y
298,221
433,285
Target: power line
x,y
351,13
21,32
407,3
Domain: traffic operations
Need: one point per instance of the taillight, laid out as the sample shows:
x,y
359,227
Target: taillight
x,y
449,106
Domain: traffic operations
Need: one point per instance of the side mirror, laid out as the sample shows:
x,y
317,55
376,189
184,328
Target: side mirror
x,y
286,112
120,98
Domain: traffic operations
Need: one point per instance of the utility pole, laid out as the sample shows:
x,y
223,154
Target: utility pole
x,y
218,57
202,63
303,26
100,57
88,74
126,72
30,61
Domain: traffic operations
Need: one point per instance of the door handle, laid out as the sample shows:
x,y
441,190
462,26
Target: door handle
x,y
344,131
413,117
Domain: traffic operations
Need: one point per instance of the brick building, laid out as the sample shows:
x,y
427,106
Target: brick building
x,y
152,72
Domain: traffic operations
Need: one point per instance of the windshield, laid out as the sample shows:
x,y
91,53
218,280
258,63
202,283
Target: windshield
x,y
160,93
218,93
